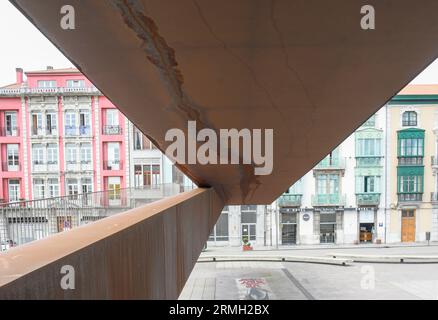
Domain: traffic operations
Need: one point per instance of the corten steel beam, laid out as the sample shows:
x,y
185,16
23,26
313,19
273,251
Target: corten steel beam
x,y
304,68
145,253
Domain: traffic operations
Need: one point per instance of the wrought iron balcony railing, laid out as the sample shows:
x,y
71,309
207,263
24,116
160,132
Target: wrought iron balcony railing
x,y
112,130
11,166
84,130
434,196
335,199
409,197
50,131
36,131
113,165
434,161
289,200
368,199
70,130
9,131
410,161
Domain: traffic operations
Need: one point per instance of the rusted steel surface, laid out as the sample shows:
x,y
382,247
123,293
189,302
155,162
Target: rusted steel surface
x,y
304,68
144,253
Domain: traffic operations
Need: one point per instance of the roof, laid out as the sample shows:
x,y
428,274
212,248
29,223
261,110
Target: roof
x,y
14,86
419,89
63,70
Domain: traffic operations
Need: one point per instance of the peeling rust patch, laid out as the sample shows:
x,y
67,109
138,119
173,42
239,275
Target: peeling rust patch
x,y
163,57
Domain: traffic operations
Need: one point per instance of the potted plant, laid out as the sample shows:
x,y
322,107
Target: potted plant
x,y
246,243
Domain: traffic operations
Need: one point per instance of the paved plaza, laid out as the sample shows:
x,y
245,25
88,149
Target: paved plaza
x,y
291,280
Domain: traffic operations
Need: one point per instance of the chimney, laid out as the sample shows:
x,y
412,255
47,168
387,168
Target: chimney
x,y
49,68
19,75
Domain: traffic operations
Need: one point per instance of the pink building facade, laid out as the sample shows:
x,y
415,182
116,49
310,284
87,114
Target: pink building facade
x,y
59,136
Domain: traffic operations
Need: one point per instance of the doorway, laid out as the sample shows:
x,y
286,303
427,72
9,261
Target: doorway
x,y
408,225
327,228
288,227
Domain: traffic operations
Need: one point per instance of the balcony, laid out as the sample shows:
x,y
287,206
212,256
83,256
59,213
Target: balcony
x,y
331,164
39,166
86,165
434,161
371,161
321,200
84,130
113,165
70,131
112,130
37,131
51,131
368,199
289,200
50,91
410,161
9,131
410,197
434,197
11,167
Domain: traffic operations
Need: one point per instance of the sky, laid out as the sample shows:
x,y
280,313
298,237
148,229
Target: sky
x,y
27,48
24,46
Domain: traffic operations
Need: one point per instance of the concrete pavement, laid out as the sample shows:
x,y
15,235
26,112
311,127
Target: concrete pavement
x,y
295,280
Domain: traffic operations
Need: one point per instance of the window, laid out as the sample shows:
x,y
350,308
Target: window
x,y
368,147
72,186
70,153
112,117
52,153
409,119
38,188
327,184
138,139
70,123
85,152
12,153
112,122
411,184
37,153
370,184
11,124
37,123
113,156
53,187
84,122
147,175
46,84
248,219
141,142
411,147
14,190
220,230
75,83
87,185
113,188
50,123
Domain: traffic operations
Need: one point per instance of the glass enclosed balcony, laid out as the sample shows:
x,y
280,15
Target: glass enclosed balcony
x,y
368,199
368,161
335,199
289,200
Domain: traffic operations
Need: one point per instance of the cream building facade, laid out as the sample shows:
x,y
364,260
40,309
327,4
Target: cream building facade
x,y
378,186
